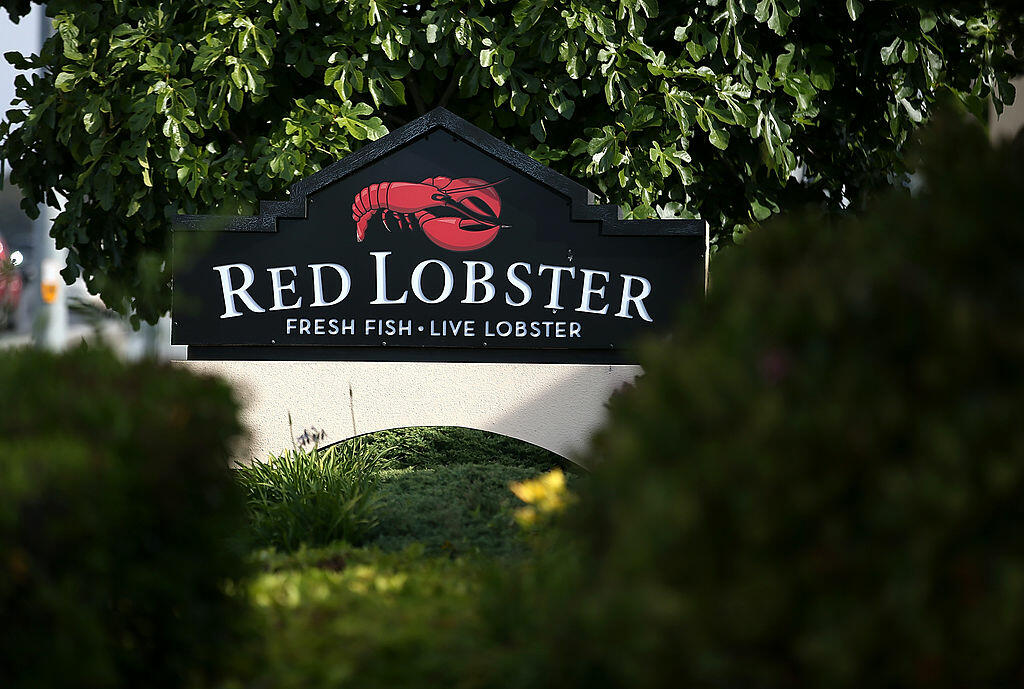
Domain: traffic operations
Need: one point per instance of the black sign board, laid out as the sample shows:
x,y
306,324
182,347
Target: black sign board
x,y
437,242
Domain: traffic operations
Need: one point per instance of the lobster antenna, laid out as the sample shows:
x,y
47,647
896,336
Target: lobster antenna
x,y
478,187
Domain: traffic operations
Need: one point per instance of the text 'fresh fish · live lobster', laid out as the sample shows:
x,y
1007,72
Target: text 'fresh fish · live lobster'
x,y
456,214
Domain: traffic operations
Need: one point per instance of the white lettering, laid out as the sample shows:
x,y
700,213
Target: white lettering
x,y
241,292
637,300
556,283
381,258
279,289
518,284
589,291
472,280
417,281
318,283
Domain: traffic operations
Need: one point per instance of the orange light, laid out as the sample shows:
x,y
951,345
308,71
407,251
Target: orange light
x,y
49,292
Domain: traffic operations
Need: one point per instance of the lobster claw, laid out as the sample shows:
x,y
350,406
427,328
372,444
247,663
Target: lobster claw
x,y
457,234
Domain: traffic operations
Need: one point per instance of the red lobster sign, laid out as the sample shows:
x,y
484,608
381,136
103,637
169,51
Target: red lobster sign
x,y
456,214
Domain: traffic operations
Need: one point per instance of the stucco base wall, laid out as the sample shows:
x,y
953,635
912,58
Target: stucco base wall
x,y
555,406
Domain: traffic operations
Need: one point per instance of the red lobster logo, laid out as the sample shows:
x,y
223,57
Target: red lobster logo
x,y
456,214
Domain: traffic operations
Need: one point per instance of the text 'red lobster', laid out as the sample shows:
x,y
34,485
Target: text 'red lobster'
x,y
456,214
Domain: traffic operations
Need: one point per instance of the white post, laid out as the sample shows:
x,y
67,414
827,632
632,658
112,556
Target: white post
x,y
51,327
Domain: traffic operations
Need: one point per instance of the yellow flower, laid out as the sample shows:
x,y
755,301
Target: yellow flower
x,y
544,495
526,516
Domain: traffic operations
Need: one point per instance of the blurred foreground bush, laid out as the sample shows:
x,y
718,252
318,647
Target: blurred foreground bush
x,y
118,523
819,482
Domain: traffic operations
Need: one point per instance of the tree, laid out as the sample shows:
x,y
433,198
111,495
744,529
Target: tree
x,y
730,110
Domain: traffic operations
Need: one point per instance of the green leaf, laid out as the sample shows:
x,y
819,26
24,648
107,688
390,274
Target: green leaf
x,y
799,86
783,62
519,101
854,9
539,130
761,12
391,47
761,212
92,122
914,114
387,92
331,74
719,138
234,97
890,52
69,36
17,60
304,66
65,81
823,76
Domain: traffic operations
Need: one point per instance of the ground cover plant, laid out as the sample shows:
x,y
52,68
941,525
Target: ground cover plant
x,y
444,488
730,110
120,548
447,488
452,509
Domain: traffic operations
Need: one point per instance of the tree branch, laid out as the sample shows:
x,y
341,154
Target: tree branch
x,y
448,91
417,99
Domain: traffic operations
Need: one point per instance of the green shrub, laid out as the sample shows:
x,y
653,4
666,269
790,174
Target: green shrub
x,y
312,497
819,482
118,524
357,617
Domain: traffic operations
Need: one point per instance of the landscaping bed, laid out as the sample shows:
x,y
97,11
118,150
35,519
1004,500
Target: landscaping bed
x,y
407,587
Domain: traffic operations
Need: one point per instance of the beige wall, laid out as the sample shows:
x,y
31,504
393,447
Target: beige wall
x,y
555,406
1012,119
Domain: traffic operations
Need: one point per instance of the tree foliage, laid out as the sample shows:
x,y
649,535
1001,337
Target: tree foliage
x,y
728,110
